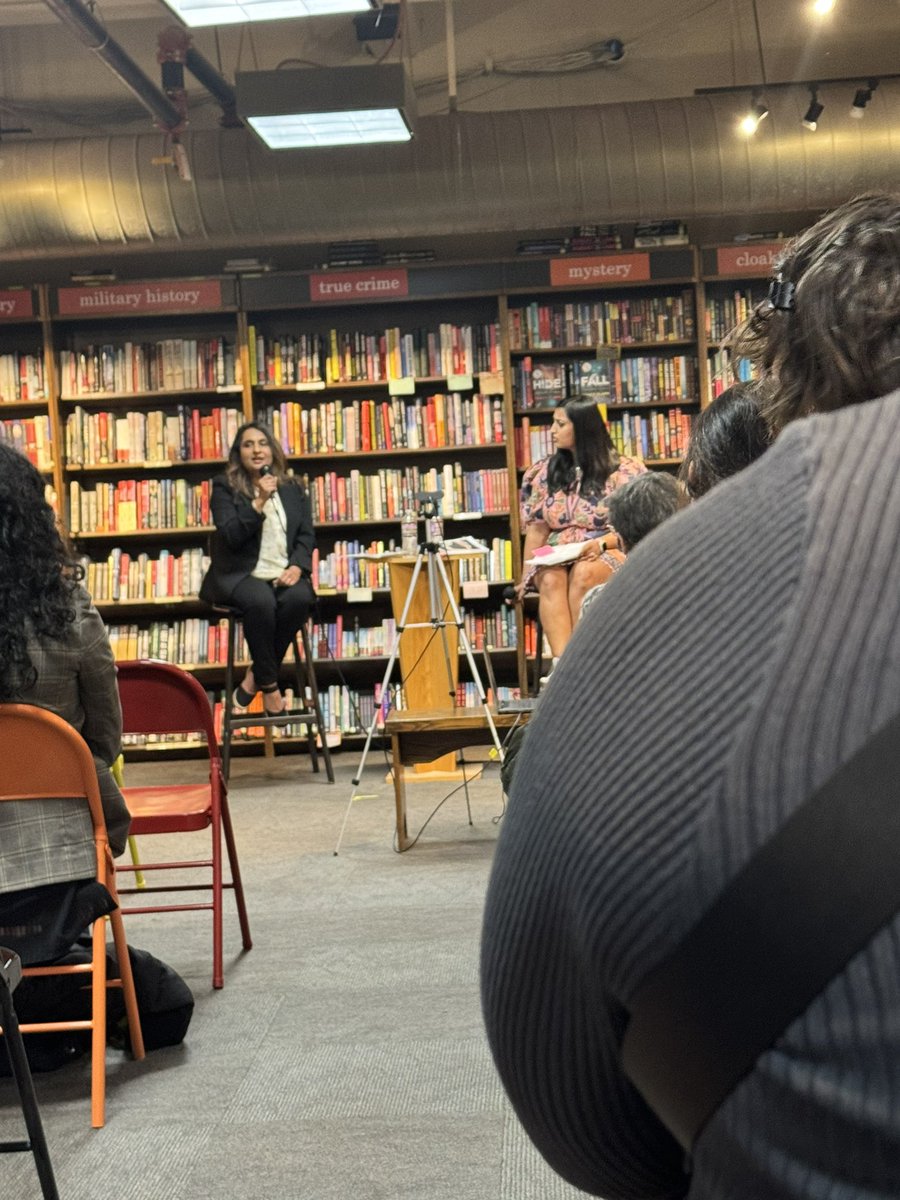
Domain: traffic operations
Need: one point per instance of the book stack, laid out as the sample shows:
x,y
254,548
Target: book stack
x,y
353,254
589,239
397,258
660,233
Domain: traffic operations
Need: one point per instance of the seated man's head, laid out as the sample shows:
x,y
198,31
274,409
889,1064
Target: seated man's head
x,y
726,437
641,504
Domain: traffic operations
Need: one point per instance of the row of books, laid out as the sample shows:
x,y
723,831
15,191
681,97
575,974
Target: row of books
x,y
22,377
344,567
385,495
201,641
173,364
30,437
584,239
645,379
339,356
132,504
433,422
661,434
533,442
632,320
723,313
531,642
723,370
95,438
125,576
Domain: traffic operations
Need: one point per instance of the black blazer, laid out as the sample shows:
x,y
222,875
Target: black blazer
x,y
235,544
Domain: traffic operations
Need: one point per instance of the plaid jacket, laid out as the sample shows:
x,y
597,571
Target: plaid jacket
x,y
51,841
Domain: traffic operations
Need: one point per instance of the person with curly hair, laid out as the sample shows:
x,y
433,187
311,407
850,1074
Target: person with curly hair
x,y
564,501
261,556
55,654
755,658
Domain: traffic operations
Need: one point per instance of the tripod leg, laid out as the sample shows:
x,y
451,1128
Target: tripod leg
x,y
436,615
470,658
385,683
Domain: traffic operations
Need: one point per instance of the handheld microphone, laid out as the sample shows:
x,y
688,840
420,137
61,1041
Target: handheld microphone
x,y
265,469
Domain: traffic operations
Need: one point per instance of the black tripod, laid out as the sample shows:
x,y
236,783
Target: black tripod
x,y
428,558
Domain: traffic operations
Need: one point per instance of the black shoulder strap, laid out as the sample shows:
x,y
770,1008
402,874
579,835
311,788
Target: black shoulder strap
x,y
808,900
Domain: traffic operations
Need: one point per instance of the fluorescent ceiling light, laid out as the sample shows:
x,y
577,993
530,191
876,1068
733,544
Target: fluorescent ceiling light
x,y
301,130
197,13
340,106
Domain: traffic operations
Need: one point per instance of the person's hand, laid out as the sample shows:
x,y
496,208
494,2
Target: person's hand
x,y
520,592
289,576
267,485
592,551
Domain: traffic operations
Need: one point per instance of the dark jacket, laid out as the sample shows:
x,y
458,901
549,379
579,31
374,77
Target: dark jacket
x,y
235,544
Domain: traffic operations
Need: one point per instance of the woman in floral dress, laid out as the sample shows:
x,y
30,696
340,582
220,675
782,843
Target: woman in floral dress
x,y
563,502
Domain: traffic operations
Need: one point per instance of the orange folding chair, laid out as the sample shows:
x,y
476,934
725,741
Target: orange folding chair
x,y
44,758
158,698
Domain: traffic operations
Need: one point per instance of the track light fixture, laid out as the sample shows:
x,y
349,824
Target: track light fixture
x,y
815,110
862,98
822,7
755,113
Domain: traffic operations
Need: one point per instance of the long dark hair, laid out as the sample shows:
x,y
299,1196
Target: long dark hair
x,y
238,479
832,336
38,575
594,456
726,437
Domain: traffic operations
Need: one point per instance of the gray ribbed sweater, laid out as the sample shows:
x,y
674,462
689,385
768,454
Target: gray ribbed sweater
x,y
748,648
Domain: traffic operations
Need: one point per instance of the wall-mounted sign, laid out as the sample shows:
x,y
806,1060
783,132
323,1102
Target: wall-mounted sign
x,y
336,286
607,268
16,304
753,259
178,295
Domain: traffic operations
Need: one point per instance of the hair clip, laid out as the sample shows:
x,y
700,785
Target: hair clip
x,y
781,295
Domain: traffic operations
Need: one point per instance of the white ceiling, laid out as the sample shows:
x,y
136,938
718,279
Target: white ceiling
x,y
53,83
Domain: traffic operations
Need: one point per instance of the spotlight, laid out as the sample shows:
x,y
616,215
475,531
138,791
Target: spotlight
x,y
821,7
755,113
815,110
862,98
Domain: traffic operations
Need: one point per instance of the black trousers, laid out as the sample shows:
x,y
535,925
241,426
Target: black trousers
x,y
271,616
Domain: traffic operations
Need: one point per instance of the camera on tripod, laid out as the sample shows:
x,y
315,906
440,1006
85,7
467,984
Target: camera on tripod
x,y
429,504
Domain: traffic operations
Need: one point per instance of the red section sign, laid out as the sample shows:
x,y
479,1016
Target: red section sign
x,y
610,268
358,285
755,259
179,295
16,304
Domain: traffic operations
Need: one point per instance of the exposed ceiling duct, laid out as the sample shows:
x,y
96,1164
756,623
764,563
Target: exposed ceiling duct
x,y
464,174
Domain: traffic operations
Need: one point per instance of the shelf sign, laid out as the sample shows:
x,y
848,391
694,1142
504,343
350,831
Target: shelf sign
x,y
606,268
758,259
337,286
179,295
16,304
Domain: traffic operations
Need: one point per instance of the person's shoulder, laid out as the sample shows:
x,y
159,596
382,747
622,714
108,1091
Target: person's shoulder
x,y
629,467
535,471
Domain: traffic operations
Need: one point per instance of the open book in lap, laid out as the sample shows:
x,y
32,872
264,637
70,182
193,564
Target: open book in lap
x,y
554,556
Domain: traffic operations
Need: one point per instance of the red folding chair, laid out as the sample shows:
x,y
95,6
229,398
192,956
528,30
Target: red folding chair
x,y
158,698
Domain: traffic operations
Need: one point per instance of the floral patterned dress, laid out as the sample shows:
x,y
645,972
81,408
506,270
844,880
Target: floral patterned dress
x,y
570,516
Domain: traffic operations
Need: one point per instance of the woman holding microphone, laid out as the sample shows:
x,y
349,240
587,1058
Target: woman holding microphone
x,y
261,556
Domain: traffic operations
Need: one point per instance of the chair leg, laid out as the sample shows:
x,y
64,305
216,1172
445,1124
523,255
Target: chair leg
x,y
218,964
314,699
229,692
98,1024
234,867
126,979
37,1143
301,659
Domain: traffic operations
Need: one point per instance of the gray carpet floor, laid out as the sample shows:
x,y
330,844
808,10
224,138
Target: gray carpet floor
x,y
345,1057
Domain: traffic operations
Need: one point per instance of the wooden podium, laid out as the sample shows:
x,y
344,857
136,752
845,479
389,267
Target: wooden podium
x,y
422,661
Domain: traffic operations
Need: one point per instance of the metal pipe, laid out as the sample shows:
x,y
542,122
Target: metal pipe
x,y
96,38
219,88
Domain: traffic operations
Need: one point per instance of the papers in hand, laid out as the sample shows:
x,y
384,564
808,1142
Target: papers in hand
x,y
553,556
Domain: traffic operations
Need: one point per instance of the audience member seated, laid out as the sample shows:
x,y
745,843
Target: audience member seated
x,y
564,502
757,651
54,653
261,557
728,435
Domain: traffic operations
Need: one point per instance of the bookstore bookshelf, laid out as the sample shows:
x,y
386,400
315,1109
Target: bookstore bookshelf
x,y
379,384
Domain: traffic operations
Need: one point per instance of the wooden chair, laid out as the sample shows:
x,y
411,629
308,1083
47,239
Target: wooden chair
x,y
43,757
10,974
158,698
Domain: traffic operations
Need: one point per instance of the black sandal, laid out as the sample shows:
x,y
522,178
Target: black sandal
x,y
272,690
240,698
